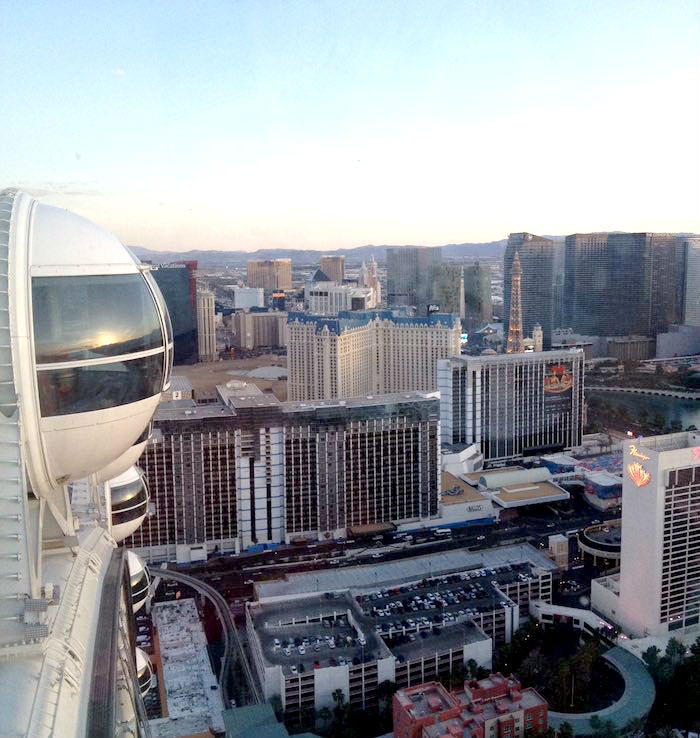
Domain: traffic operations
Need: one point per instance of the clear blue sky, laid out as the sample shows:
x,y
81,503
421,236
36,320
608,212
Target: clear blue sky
x,y
325,124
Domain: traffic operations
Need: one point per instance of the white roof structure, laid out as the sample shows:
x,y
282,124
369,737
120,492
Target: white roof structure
x,y
191,687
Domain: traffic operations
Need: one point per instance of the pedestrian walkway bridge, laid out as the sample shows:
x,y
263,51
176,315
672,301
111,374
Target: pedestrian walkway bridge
x,y
644,391
640,692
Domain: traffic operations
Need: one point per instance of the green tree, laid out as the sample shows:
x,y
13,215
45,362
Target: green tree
x,y
339,724
307,718
565,731
635,728
603,728
457,675
675,652
323,719
276,704
666,731
472,668
651,658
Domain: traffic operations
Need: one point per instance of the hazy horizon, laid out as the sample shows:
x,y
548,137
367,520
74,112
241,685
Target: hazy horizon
x,y
326,125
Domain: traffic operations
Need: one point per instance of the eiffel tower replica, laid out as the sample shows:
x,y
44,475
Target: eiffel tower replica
x,y
515,343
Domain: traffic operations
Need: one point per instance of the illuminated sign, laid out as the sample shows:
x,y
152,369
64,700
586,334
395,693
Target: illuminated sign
x,y
433,308
638,474
634,451
696,452
558,379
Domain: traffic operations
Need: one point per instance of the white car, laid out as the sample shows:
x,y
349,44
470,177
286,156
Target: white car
x,y
302,650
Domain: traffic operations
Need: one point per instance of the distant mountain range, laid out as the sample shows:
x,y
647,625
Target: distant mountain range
x,y
301,257
490,250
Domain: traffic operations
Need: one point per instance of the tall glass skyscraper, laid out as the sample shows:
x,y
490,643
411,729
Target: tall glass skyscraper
x,y
537,256
448,290
177,283
478,309
691,300
410,272
621,284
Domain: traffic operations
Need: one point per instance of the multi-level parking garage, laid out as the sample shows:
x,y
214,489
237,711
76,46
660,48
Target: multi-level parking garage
x,y
603,542
306,649
307,641
489,597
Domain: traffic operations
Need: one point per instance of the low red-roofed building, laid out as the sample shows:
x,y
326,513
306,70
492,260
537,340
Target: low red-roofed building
x,y
495,707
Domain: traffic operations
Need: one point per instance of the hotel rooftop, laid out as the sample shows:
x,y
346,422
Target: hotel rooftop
x,y
191,687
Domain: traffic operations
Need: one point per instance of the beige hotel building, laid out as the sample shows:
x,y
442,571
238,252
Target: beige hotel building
x,y
270,274
367,353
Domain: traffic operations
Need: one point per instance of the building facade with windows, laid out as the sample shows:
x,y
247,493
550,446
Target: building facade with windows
x,y
478,310
537,260
367,353
330,298
256,329
333,266
657,592
512,405
206,326
244,298
448,289
270,274
178,284
495,707
369,277
691,292
410,274
623,284
251,470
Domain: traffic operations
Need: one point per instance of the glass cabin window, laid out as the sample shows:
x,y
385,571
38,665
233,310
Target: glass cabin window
x,y
92,317
126,496
84,389
127,516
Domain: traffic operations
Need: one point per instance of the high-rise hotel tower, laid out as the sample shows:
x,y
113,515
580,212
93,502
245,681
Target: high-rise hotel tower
x,y
657,592
512,405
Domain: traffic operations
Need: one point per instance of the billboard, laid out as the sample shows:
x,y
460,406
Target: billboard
x,y
558,388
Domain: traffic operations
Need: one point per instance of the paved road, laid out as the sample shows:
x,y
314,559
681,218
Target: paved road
x,y
230,634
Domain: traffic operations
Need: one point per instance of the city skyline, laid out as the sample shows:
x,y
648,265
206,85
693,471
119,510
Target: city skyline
x,y
293,125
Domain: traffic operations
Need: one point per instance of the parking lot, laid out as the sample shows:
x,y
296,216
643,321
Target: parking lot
x,y
410,609
351,627
315,631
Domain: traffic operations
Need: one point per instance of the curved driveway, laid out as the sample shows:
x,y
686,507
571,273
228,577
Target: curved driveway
x,y
635,702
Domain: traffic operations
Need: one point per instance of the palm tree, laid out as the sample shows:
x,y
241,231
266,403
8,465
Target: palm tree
x,y
635,728
666,731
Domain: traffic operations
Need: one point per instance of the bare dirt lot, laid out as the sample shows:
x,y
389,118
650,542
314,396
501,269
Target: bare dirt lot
x,y
205,377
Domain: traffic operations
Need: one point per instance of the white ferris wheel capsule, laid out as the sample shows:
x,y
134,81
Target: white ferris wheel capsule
x,y
89,344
